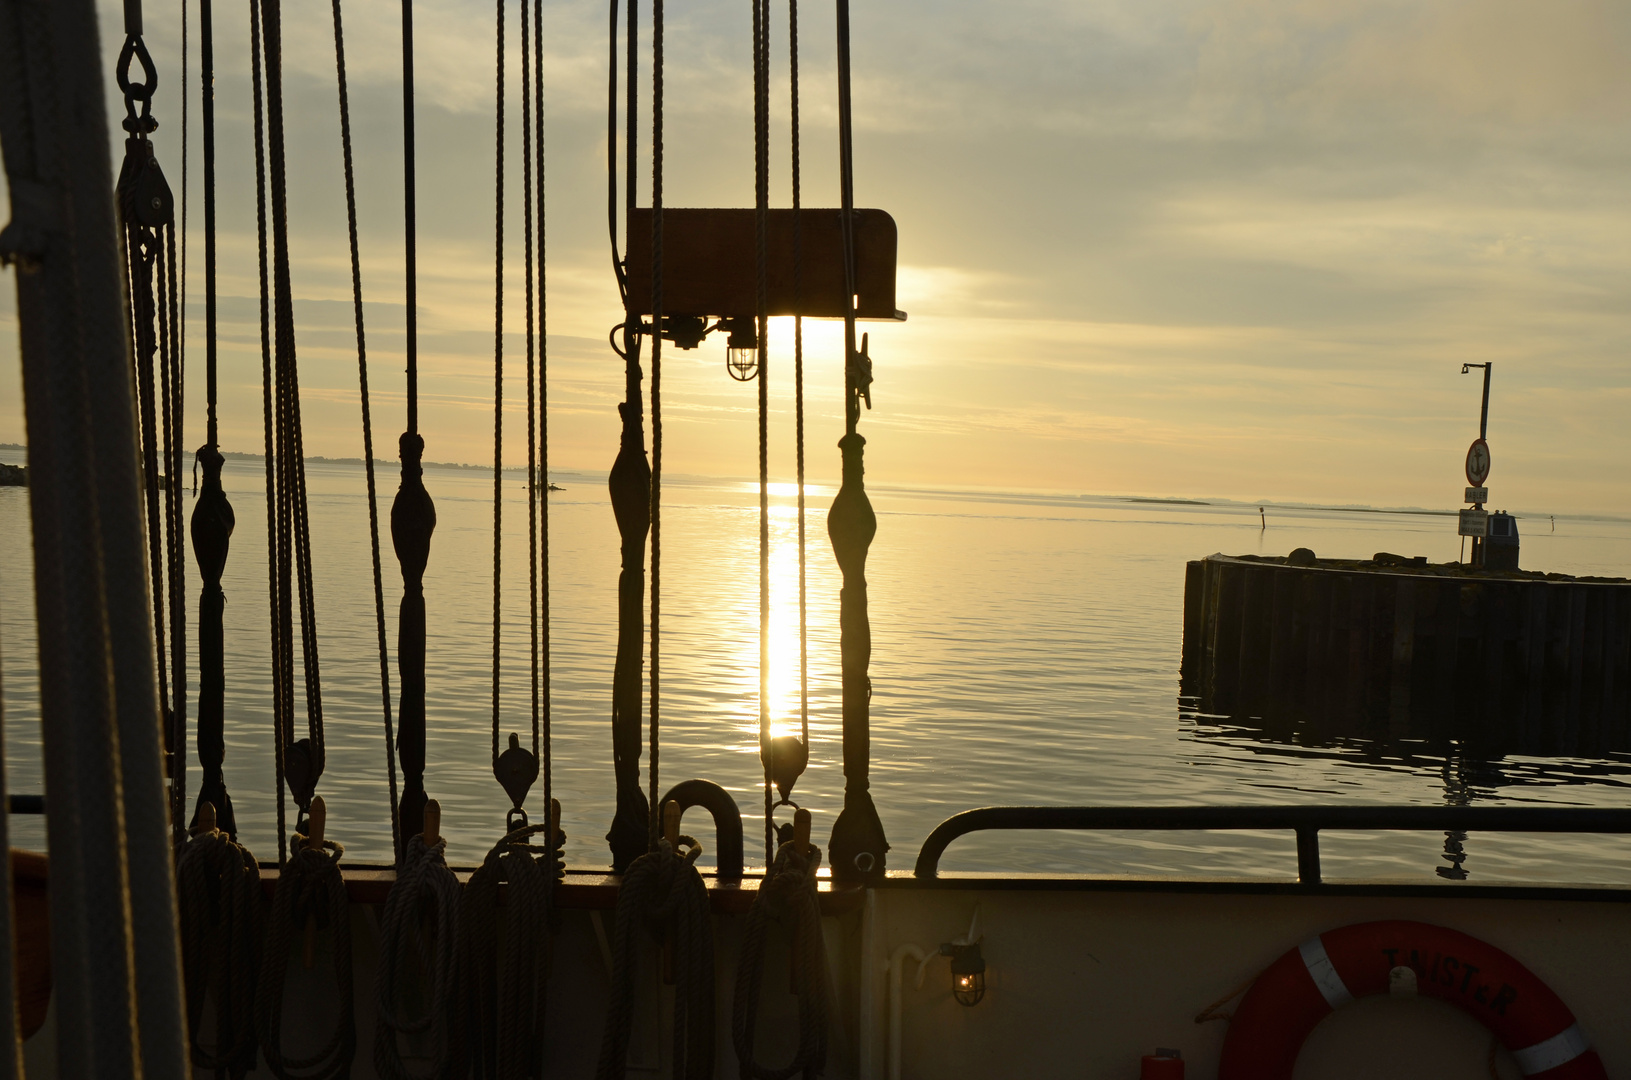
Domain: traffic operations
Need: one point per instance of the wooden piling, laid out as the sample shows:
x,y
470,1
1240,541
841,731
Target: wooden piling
x,y
1516,662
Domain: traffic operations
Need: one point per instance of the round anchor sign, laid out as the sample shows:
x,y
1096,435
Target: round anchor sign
x,y
1478,463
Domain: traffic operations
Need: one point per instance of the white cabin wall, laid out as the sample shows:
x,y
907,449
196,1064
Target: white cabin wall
x,y
1080,984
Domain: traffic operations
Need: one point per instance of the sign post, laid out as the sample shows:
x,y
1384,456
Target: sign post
x,y
1475,522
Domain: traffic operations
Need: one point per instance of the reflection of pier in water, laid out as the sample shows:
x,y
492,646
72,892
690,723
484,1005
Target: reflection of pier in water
x,y
1469,775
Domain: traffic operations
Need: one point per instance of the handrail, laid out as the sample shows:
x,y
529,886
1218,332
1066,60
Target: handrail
x,y
727,821
1305,821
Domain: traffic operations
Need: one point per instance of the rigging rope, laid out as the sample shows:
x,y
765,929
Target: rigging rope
x,y
498,375
656,387
217,879
147,210
798,364
213,518
219,887
413,514
367,424
310,897
552,842
629,485
267,429
535,491
419,964
761,217
310,891
787,898
858,846
506,955
303,759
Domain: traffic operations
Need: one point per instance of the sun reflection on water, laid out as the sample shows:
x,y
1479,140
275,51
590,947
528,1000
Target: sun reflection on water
x,y
783,699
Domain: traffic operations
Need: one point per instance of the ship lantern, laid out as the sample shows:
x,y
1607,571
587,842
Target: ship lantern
x,y
741,349
967,972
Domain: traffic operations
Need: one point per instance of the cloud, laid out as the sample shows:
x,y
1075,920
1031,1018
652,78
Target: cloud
x,y
1226,246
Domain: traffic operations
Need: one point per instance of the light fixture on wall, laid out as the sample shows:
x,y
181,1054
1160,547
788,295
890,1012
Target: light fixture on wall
x,y
967,964
967,971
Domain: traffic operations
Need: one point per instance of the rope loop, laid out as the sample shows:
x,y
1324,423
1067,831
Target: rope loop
x,y
788,898
419,936
663,894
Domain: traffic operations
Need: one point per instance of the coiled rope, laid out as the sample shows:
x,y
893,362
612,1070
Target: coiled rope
x,y
219,884
310,897
507,956
788,898
419,949
663,894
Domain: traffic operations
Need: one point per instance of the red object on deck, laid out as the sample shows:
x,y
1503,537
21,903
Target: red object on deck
x,y
1162,1065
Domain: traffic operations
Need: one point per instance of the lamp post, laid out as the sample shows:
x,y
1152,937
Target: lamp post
x,y
1481,446
1483,416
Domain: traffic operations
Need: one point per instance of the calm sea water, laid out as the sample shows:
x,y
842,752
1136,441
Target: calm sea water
x,y
1025,650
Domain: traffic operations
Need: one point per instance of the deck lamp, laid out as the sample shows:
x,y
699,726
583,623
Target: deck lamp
x,y
741,349
967,971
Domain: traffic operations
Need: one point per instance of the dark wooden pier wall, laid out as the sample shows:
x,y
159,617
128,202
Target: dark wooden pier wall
x,y
1509,663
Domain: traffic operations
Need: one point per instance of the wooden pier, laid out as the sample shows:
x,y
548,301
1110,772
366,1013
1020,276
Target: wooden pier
x,y
1394,648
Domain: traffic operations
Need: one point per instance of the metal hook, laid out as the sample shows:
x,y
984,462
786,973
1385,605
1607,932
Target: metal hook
x,y
143,91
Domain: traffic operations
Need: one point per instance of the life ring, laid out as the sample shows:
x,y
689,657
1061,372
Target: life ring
x,y
1299,989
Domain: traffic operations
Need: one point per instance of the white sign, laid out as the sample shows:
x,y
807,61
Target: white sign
x,y
1474,523
1478,495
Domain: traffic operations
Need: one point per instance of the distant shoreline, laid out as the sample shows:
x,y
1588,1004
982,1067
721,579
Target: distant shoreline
x,y
1215,504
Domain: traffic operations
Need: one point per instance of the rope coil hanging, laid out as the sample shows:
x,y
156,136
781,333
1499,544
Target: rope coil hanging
x,y
508,955
663,894
310,898
419,935
219,887
147,212
788,899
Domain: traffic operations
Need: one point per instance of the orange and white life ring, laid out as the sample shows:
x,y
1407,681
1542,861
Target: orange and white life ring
x,y
1324,973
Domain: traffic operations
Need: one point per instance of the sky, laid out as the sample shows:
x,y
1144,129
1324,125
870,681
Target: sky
x,y
1232,248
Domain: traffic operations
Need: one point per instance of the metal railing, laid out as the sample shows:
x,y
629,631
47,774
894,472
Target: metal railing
x,y
1306,822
